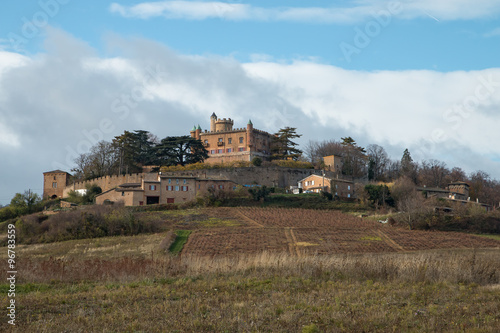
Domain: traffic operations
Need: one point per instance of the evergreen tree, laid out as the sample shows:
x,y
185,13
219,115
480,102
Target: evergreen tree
x,y
354,158
282,147
180,150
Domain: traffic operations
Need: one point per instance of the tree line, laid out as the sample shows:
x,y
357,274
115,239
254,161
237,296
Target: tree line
x,y
374,164
132,150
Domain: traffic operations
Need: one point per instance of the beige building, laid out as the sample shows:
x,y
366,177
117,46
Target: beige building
x,y
163,190
226,144
339,187
54,183
333,163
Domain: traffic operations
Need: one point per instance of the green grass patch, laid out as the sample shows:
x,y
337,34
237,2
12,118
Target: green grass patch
x,y
180,239
496,237
371,238
218,222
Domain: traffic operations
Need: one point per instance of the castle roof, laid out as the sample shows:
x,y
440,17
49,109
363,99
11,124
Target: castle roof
x,y
56,171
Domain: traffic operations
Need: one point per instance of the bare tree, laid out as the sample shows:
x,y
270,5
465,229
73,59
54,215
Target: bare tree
x,y
433,173
378,161
408,200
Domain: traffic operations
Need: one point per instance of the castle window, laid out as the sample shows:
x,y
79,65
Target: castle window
x,y
229,150
212,151
123,194
220,151
170,181
54,185
241,139
184,181
241,149
206,141
177,181
54,177
152,187
177,188
221,187
220,139
229,140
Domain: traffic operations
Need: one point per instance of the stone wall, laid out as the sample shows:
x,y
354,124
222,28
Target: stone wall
x,y
108,182
269,176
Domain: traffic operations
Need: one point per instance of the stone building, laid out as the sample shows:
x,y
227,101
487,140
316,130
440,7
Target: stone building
x,y
54,183
163,190
316,183
226,144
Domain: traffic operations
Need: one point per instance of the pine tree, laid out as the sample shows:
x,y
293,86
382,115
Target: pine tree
x,y
282,147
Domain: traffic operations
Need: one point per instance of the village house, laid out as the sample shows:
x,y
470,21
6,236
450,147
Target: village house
x,y
226,144
163,190
336,186
456,192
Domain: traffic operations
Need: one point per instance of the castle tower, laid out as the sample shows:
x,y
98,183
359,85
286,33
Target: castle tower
x,y
250,135
193,132
54,183
224,125
213,119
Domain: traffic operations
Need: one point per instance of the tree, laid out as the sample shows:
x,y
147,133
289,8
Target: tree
x,y
180,150
408,200
354,158
134,150
315,151
282,146
101,160
379,195
408,167
25,203
433,173
378,161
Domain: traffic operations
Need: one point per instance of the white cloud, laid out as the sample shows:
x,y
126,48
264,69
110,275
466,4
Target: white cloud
x,y
52,105
359,11
493,33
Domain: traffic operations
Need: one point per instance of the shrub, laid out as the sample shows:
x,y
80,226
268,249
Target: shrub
x,y
257,161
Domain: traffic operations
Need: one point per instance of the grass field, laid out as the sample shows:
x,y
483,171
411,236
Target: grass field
x,y
260,270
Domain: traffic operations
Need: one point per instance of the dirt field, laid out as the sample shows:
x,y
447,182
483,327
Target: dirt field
x,y
302,231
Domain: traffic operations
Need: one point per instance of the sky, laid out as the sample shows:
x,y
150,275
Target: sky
x,y
422,75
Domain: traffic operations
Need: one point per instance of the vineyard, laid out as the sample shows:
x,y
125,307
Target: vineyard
x,y
303,231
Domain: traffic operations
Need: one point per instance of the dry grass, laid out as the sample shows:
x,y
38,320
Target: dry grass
x,y
424,292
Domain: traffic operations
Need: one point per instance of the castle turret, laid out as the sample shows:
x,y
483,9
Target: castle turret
x,y
193,132
222,125
198,132
213,119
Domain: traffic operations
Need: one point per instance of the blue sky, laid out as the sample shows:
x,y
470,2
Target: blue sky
x,y
418,74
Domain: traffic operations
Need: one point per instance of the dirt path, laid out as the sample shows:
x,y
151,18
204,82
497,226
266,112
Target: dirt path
x,y
249,220
292,242
390,242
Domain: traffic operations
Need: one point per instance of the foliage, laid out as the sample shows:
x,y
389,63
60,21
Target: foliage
x,y
282,146
354,158
408,167
257,161
379,195
259,193
293,164
180,150
92,222
92,190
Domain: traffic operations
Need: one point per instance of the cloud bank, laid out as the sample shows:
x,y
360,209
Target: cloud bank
x,y
55,105
359,11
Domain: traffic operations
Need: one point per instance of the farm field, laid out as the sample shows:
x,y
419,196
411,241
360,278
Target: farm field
x,y
302,231
261,270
